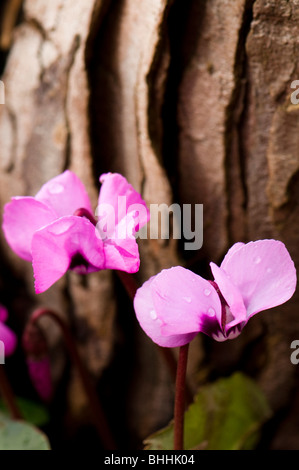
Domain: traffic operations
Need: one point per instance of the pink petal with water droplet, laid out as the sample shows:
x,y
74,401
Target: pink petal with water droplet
x,y
65,194
121,195
264,273
22,217
180,301
151,323
54,247
233,249
176,304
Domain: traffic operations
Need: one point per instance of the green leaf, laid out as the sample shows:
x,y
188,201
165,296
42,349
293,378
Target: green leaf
x,y
225,415
32,412
19,435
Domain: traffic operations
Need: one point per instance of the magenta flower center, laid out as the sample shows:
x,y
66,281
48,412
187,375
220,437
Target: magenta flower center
x,y
79,263
82,212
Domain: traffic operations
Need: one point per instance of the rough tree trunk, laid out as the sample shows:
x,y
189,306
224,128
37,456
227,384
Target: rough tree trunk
x,y
191,102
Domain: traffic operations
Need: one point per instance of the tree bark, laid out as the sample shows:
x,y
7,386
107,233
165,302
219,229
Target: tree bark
x,y
191,102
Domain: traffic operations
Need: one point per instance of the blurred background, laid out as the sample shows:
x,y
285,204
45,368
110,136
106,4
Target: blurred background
x,y
191,101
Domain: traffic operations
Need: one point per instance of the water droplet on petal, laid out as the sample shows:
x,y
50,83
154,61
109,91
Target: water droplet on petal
x,y
187,299
207,292
153,315
56,188
257,260
211,312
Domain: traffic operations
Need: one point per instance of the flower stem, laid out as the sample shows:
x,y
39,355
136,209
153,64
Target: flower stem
x,y
95,405
8,395
179,405
129,283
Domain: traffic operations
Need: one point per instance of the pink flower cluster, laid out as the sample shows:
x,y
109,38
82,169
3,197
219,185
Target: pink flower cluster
x,y
56,231
47,231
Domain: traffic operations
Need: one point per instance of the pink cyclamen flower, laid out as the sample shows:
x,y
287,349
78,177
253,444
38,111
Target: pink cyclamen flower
x,y
176,304
55,230
7,336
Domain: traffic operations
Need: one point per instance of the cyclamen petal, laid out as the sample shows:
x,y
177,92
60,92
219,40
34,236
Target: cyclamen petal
x,y
263,272
184,301
64,194
22,217
151,324
233,249
121,249
118,193
123,257
61,243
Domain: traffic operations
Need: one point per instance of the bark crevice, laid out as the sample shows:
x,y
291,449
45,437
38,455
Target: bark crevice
x,y
235,158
